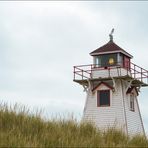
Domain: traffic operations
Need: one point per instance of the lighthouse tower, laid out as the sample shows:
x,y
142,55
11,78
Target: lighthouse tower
x,y
112,84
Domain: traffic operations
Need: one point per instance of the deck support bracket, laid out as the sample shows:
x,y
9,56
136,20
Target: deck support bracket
x,y
129,84
138,88
89,85
85,88
114,84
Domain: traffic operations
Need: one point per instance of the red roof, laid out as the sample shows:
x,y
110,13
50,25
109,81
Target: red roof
x,y
110,47
130,90
106,84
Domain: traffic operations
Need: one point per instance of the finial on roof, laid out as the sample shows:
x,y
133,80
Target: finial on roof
x,y
111,35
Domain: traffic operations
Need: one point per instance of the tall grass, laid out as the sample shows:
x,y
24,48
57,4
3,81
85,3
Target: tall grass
x,y
20,128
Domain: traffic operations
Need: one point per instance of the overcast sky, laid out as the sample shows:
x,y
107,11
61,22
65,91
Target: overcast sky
x,y
40,42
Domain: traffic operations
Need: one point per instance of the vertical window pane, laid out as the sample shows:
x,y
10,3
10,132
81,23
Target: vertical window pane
x,y
103,98
98,61
132,107
105,59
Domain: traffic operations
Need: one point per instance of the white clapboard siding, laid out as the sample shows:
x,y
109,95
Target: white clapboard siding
x,y
134,122
117,114
105,116
104,73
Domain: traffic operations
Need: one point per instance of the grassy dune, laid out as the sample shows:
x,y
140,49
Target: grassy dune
x,y
19,128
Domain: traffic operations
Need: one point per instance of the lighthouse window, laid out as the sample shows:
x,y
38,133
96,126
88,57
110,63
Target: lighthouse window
x,y
105,60
103,98
98,61
132,108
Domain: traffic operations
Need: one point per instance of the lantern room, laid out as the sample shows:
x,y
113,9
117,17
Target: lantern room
x,y
110,60
110,55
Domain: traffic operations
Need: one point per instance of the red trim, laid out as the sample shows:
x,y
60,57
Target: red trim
x,y
130,90
126,62
109,48
83,72
107,85
98,98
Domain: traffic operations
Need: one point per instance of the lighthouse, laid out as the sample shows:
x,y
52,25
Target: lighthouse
x,y
112,84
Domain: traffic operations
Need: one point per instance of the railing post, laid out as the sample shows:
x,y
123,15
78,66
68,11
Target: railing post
x,y
134,72
141,74
147,77
127,68
91,71
109,71
117,71
74,73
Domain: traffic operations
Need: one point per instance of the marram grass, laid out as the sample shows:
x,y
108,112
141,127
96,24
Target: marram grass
x,y
19,128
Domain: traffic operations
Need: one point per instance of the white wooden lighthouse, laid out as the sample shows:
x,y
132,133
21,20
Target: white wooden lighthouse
x,y
112,84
